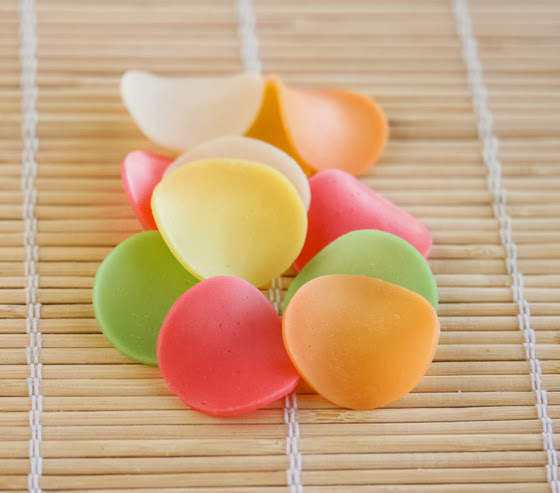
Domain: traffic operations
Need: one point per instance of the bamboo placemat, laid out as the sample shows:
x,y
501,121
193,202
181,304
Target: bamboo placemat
x,y
76,415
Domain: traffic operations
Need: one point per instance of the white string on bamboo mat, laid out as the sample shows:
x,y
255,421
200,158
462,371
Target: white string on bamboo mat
x,y
295,465
490,155
251,63
28,59
293,473
247,36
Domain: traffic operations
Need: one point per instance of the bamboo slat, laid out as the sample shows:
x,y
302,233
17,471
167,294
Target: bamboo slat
x,y
110,425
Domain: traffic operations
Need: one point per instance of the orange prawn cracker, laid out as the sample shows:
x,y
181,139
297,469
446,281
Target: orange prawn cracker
x,y
358,341
321,129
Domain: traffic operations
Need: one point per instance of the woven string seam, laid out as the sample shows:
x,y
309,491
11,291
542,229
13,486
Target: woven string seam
x,y
490,147
28,59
